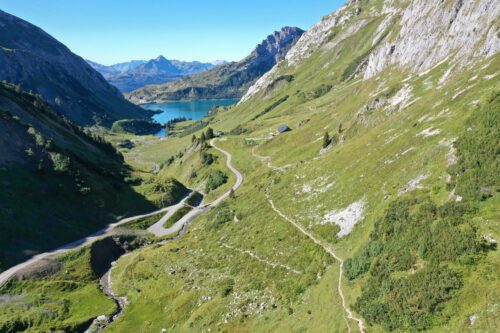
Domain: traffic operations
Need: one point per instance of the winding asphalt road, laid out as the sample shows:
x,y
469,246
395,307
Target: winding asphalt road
x,y
156,229
6,275
181,226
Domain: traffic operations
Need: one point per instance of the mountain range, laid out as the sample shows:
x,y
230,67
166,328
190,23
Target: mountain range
x,y
115,69
229,80
132,75
31,58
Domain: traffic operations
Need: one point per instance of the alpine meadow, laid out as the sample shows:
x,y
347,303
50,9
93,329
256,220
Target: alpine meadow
x,y
346,177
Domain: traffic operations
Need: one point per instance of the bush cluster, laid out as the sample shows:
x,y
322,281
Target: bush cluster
x,y
412,247
215,179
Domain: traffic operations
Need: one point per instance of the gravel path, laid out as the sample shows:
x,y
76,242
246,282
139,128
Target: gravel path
x,y
328,249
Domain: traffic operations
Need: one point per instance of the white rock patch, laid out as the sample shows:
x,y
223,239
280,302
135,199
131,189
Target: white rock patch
x,y
489,77
413,184
429,132
401,99
346,218
451,156
317,186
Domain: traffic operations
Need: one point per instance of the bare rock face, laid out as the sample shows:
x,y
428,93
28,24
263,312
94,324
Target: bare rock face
x,y
316,37
433,31
36,61
413,36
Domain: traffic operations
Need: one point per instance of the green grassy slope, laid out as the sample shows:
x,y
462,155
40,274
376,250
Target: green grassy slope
x,y
58,183
68,301
379,155
385,151
406,149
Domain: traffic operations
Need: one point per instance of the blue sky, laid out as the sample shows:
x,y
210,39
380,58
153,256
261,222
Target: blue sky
x,y
110,31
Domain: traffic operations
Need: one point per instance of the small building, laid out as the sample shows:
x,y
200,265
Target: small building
x,y
283,128
219,133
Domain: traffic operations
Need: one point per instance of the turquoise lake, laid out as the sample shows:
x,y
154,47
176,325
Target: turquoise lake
x,y
189,109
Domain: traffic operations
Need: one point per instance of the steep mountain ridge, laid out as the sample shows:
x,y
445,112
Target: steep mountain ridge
x,y
412,35
130,76
58,182
36,61
229,80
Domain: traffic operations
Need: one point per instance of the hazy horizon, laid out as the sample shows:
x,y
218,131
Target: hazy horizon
x,y
114,32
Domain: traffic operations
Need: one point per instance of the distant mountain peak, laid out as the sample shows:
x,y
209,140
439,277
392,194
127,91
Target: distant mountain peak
x,y
277,44
226,80
218,62
135,74
160,58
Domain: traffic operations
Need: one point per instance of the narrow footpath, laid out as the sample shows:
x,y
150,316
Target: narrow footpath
x,y
328,249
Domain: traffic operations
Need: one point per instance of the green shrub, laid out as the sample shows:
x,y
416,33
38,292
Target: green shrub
x,y
210,133
360,263
271,107
326,140
225,286
195,199
413,241
407,303
476,174
238,130
207,158
215,179
317,92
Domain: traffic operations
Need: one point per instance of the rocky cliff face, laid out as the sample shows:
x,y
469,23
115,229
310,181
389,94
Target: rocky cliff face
x,y
155,71
229,80
38,62
412,36
433,31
